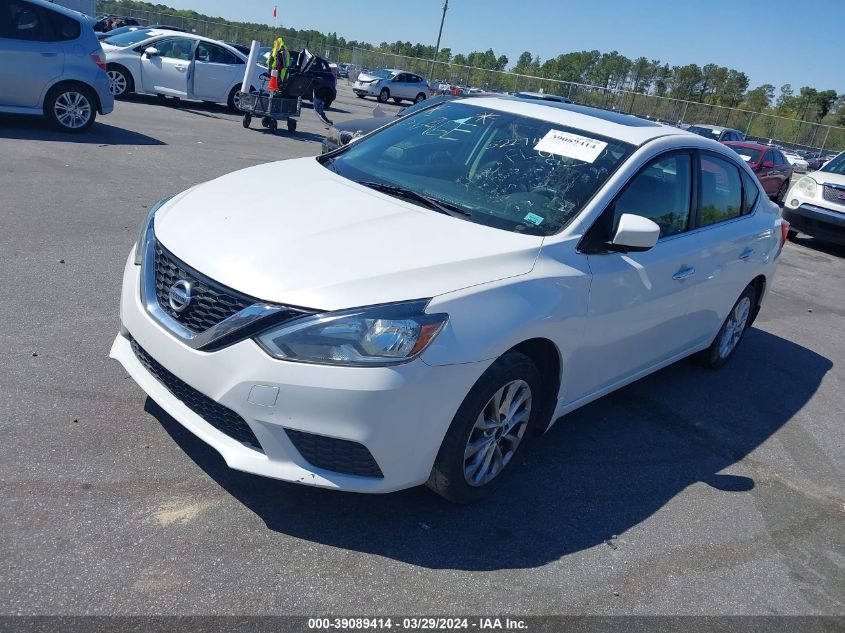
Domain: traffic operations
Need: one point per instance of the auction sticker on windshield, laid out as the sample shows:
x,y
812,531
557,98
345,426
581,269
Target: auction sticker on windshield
x,y
571,145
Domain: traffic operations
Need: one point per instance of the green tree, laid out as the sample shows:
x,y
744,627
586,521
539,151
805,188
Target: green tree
x,y
759,98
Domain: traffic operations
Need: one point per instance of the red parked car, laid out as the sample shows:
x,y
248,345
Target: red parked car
x,y
770,165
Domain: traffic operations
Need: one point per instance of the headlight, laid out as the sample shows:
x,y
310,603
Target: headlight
x,y
380,335
807,186
142,233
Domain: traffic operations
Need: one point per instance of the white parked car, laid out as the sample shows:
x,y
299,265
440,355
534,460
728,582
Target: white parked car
x,y
815,204
390,83
473,272
175,64
798,164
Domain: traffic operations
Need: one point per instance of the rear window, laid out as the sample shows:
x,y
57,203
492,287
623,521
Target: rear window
x,y
705,131
22,20
748,154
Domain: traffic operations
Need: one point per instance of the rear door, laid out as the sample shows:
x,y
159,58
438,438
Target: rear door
x,y
169,72
732,244
32,58
769,173
216,70
639,303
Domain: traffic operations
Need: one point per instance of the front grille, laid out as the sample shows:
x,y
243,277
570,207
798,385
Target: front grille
x,y
210,303
831,194
330,453
221,418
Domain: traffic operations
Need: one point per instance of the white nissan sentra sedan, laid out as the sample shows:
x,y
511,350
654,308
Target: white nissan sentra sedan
x,y
470,274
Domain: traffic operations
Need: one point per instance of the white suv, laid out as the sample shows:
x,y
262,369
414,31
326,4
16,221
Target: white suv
x,y
472,272
390,83
815,205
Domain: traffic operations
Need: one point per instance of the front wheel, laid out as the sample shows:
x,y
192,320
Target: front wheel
x,y
71,108
120,84
491,425
384,95
733,329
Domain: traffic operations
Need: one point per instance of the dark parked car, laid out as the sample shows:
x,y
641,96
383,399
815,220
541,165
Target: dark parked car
x,y
108,23
773,170
146,29
716,132
325,83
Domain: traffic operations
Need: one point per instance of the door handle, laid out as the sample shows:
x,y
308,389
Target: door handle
x,y
684,274
746,253
181,68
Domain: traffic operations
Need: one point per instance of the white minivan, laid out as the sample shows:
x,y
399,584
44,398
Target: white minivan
x,y
471,273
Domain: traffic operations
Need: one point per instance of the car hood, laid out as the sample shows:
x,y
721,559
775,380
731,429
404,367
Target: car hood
x,y
823,177
368,77
294,232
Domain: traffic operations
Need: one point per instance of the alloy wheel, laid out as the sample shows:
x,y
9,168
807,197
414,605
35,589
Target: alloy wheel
x,y
72,110
117,83
734,327
497,433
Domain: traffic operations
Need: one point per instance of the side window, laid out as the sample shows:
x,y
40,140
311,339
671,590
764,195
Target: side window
x,y
721,190
25,21
750,193
65,28
214,54
174,48
661,192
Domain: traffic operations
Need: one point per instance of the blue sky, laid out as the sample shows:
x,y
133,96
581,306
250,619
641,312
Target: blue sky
x,y
772,41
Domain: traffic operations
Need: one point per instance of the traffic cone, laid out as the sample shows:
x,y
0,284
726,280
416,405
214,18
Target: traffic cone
x,y
273,86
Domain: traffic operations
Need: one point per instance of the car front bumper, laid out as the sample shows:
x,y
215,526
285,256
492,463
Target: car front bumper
x,y
400,413
371,90
814,220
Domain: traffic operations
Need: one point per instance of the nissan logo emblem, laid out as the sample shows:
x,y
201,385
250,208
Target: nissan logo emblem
x,y
179,296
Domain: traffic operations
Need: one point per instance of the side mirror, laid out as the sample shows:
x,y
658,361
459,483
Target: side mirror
x,y
152,51
768,164
635,233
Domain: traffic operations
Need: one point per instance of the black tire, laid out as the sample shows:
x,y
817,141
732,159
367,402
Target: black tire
x,y
162,99
326,96
384,95
266,121
420,97
791,235
273,125
782,192
714,357
327,103
247,120
71,108
359,96
120,81
291,125
230,102
448,477
397,101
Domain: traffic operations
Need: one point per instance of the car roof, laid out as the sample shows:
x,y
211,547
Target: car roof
x,y
159,32
623,127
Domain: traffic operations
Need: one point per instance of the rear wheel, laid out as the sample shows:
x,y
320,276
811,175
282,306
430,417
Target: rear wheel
x,y
247,119
733,329
234,100
491,425
384,95
71,108
782,192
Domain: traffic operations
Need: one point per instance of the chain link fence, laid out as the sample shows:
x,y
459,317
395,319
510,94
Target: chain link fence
x,y
789,133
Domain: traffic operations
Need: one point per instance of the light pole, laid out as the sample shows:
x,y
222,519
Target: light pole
x,y
439,35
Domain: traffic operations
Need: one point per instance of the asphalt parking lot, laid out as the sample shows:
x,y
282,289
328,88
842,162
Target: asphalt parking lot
x,y
688,492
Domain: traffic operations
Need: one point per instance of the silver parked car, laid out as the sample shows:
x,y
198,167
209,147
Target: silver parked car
x,y
53,65
390,83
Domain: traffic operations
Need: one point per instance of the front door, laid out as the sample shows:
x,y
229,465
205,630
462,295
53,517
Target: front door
x,y
169,72
638,314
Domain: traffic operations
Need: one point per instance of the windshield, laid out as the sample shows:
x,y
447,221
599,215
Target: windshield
x,y
704,131
503,170
128,39
836,166
748,154
382,74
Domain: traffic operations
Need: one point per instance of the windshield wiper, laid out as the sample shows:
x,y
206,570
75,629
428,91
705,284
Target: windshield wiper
x,y
432,203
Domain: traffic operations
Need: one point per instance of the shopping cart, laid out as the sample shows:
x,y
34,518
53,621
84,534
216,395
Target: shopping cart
x,y
286,104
